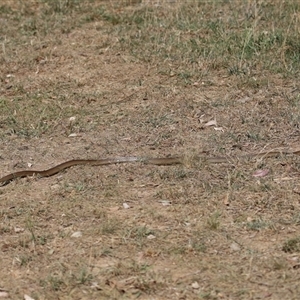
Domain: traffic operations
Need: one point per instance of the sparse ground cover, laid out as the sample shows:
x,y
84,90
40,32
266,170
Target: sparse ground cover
x,y
95,79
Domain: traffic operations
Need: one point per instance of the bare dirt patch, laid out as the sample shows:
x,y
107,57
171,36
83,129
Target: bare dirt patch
x,y
84,79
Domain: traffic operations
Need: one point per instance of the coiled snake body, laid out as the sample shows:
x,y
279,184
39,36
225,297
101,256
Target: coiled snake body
x,y
154,161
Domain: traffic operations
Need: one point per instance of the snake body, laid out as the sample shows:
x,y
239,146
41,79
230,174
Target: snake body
x,y
92,162
154,161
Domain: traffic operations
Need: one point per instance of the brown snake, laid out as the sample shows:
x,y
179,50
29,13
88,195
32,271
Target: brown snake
x,y
154,161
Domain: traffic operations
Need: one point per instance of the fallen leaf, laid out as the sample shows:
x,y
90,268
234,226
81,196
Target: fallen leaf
x,y
18,229
125,205
4,294
201,118
151,237
77,234
195,285
219,129
211,123
260,173
72,135
114,208
165,202
235,247
226,200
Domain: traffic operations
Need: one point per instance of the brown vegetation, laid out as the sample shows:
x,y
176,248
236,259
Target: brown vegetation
x,y
96,79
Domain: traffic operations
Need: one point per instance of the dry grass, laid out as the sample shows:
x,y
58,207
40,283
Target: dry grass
x,y
90,79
